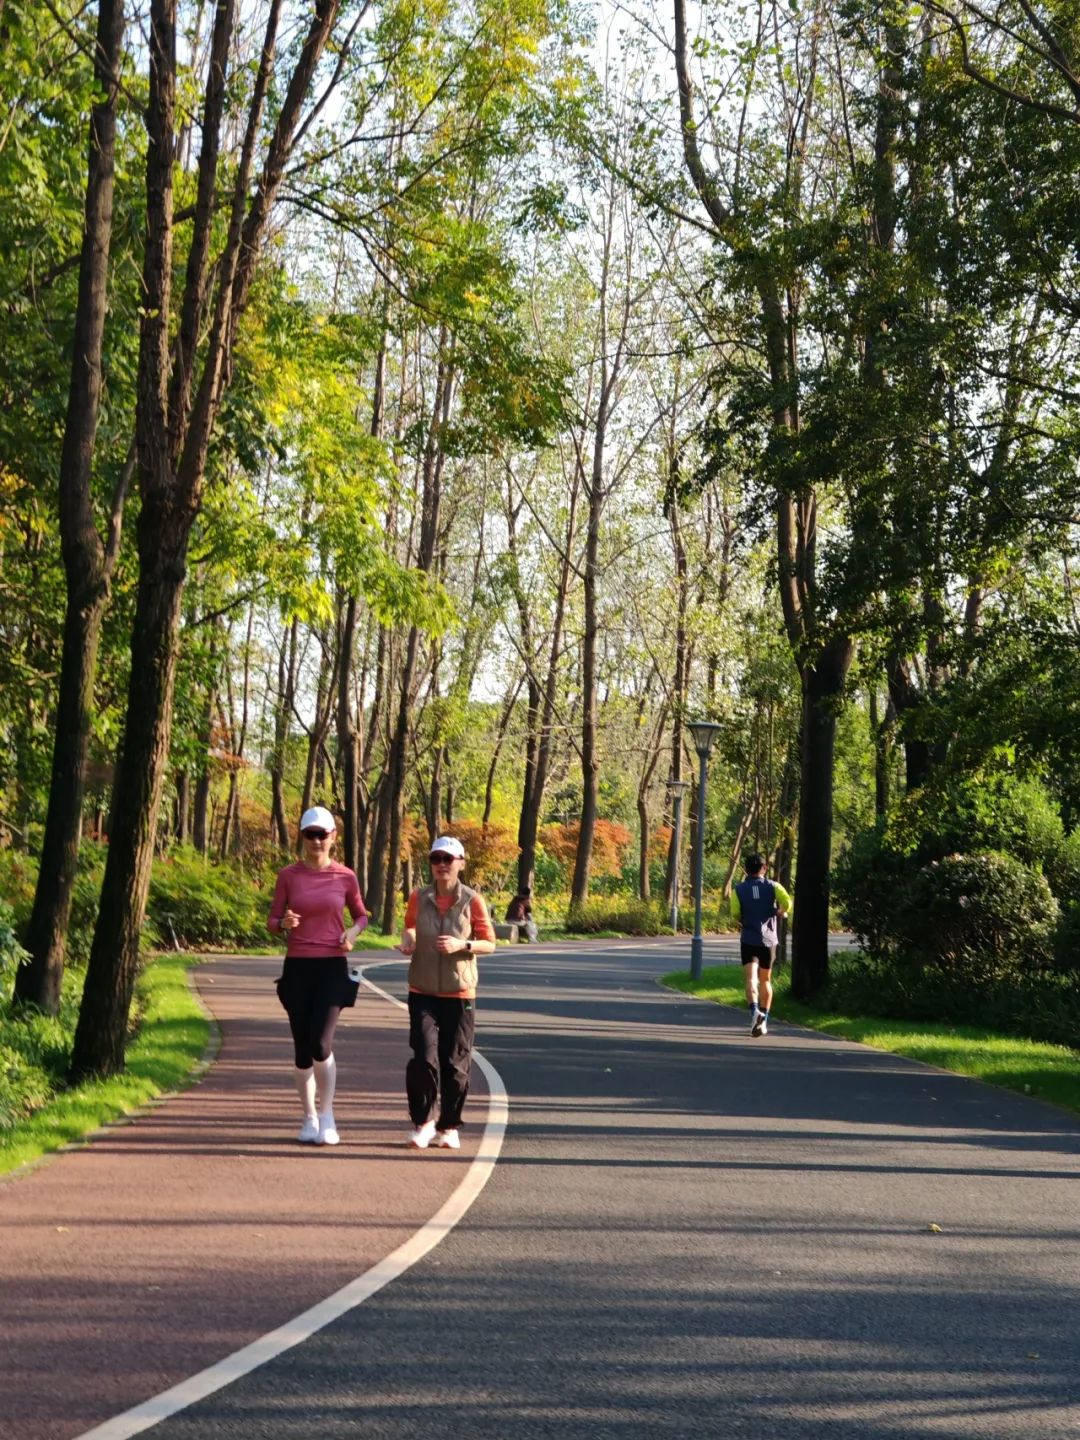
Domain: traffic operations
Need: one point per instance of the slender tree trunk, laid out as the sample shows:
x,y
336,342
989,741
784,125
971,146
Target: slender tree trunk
x,y
183,806
378,815
533,800
347,737
429,528
680,679
590,760
504,721
288,659
823,686
101,1032
88,563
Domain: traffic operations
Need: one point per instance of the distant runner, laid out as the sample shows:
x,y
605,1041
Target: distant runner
x,y
757,902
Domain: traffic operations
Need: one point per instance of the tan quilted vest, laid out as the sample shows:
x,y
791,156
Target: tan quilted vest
x,y
430,972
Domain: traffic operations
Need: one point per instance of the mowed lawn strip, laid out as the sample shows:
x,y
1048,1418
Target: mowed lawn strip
x,y
172,1037
1050,1072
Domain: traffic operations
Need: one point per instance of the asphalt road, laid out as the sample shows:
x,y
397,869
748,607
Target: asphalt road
x,y
691,1232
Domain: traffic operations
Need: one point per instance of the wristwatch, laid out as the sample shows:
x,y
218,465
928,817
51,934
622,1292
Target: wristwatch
x,y
468,947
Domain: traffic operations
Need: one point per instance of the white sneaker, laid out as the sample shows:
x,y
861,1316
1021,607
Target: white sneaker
x,y
447,1140
327,1131
423,1135
309,1131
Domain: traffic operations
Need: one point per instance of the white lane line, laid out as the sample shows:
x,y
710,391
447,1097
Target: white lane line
x,y
294,1332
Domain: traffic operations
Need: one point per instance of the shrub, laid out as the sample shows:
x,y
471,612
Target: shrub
x,y
980,918
626,914
205,904
1033,1004
18,876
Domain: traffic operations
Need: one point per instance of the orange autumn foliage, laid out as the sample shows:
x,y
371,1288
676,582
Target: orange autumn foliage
x,y
610,843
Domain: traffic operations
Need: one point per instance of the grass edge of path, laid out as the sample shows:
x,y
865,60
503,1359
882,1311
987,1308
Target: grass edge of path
x,y
1033,1068
177,1040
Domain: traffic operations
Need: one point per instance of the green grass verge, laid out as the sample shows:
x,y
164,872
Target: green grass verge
x,y
173,1034
1032,1067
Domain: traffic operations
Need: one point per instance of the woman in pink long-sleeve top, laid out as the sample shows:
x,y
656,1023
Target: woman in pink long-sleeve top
x,y
310,900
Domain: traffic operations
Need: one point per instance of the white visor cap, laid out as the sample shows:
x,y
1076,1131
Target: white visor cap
x,y
447,845
317,818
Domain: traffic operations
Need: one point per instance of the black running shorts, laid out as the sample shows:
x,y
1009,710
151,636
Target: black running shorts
x,y
763,954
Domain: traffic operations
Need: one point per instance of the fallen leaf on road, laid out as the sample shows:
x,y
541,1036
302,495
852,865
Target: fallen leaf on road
x,y
935,1229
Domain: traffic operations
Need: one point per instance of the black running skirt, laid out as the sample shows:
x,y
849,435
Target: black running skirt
x,y
307,981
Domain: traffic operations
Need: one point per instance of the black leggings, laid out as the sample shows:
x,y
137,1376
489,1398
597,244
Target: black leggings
x,y
312,994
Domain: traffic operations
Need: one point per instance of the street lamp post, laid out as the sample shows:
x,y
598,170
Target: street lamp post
x,y
704,733
678,789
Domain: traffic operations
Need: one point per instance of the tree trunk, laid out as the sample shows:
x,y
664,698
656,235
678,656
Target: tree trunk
x,y
347,737
906,698
88,564
101,1033
590,761
287,664
644,889
680,680
822,689
170,480
429,528
183,806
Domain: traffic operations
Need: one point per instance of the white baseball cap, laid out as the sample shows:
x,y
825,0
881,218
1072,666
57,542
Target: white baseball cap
x,y
317,818
447,845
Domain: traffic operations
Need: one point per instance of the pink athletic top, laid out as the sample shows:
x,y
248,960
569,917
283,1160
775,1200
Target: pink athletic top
x,y
319,897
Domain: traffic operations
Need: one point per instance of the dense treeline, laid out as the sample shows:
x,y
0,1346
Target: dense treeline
x,y
428,410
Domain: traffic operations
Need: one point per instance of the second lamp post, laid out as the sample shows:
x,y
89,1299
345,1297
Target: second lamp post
x,y
704,733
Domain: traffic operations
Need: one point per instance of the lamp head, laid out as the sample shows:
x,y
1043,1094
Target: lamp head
x,y
704,733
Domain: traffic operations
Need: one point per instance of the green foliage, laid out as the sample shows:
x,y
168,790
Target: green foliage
x,y
205,904
12,953
550,873
34,1051
626,914
972,812
1067,942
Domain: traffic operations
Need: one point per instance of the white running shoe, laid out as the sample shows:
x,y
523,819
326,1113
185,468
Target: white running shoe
x,y
423,1135
761,1025
447,1139
309,1131
327,1131
755,1023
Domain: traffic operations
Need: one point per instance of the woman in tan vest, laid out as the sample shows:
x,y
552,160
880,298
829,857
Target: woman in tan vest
x,y
446,927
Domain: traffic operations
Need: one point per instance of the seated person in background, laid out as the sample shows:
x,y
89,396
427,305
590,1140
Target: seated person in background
x,y
519,912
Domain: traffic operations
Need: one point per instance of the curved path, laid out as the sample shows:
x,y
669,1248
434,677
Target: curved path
x,y
692,1232
177,1238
